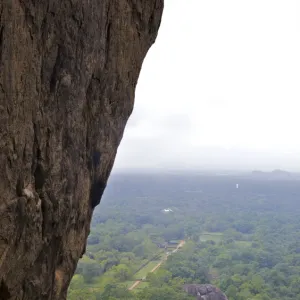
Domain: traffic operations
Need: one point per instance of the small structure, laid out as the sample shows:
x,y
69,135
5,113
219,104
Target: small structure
x,y
162,245
173,242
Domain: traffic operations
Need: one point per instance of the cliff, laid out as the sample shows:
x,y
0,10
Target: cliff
x,y
68,75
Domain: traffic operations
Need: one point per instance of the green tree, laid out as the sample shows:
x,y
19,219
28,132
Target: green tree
x,y
77,282
81,294
231,292
121,272
257,284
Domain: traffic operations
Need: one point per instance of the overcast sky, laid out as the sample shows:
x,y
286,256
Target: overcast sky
x,y
219,89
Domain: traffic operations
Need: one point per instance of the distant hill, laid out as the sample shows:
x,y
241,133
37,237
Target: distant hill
x,y
275,174
281,172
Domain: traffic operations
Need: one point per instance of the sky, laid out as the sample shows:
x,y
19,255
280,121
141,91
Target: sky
x,y
219,89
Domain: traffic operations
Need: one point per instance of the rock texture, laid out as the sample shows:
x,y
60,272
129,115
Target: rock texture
x,y
204,292
68,74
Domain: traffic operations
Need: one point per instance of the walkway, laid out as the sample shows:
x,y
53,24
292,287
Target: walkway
x,y
158,265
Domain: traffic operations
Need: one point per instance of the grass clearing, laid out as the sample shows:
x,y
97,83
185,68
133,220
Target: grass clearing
x,y
243,243
144,271
211,236
160,256
141,286
129,283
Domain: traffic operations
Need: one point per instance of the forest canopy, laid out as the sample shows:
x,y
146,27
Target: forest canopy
x,y
244,240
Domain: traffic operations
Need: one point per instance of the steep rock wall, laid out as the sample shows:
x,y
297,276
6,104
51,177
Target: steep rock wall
x,y
68,74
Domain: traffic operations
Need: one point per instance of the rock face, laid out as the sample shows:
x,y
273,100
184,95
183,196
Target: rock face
x,y
68,74
204,292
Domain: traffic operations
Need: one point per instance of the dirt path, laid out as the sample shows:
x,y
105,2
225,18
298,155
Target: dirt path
x,y
135,285
180,244
157,266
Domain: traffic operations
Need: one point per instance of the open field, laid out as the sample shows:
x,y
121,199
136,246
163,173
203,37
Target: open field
x,y
243,243
149,268
144,271
141,285
129,283
211,236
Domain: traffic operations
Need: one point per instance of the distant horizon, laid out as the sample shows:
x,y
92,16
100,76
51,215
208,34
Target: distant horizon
x,y
217,171
205,159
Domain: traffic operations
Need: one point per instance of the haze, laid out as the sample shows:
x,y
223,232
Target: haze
x,y
219,89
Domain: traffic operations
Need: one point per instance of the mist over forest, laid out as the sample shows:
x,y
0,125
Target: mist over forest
x,y
241,234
